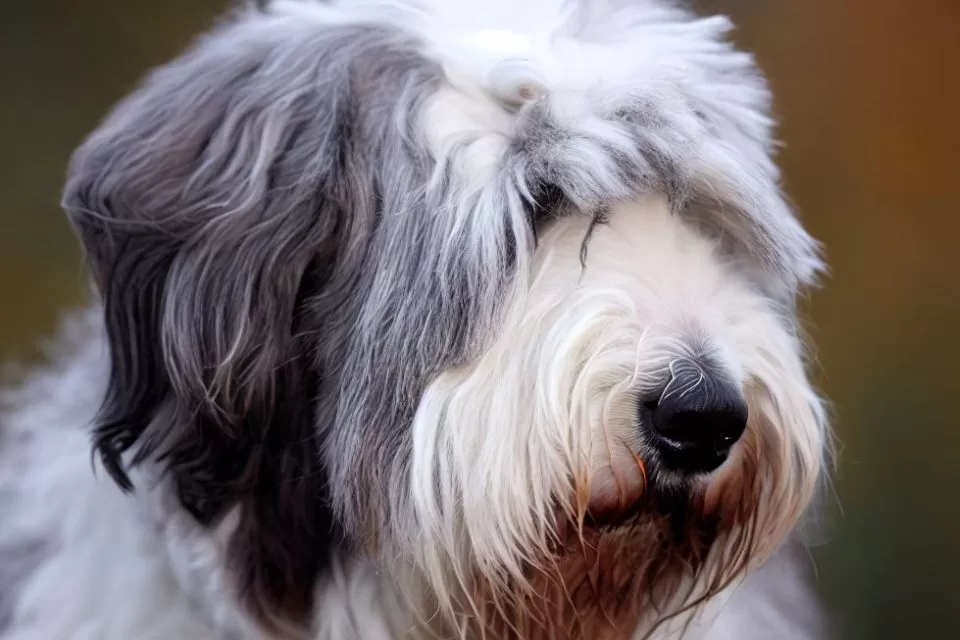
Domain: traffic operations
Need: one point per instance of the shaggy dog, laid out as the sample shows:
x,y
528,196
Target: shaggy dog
x,y
426,318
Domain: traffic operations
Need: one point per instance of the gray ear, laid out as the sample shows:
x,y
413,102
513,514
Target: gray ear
x,y
200,207
212,204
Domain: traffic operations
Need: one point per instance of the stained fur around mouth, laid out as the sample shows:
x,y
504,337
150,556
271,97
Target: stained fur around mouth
x,y
606,571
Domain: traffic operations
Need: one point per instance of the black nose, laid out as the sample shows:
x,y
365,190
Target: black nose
x,y
695,420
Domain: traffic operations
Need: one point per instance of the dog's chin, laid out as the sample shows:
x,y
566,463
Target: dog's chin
x,y
616,563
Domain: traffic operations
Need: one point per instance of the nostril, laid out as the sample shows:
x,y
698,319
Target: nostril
x,y
696,429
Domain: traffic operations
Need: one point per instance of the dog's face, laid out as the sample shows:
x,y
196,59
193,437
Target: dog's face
x,y
638,433
511,311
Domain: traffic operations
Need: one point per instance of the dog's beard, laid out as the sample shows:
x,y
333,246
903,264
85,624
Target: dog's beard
x,y
637,568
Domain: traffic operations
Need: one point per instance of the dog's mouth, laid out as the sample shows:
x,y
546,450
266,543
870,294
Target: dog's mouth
x,y
641,537
632,495
616,561
611,514
630,489
673,502
624,483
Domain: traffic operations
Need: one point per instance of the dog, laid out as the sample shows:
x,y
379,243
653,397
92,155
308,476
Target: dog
x,y
427,318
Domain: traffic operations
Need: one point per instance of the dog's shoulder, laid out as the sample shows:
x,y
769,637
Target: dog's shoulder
x,y
76,559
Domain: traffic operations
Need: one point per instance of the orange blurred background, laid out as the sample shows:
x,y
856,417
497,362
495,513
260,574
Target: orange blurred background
x,y
869,98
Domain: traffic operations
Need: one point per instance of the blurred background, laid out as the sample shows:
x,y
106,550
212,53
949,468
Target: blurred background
x,y
869,95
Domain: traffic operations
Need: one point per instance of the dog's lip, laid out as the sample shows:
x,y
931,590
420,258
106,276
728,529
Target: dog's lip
x,y
616,492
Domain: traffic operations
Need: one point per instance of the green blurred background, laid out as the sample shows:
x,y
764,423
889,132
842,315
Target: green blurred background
x,y
868,94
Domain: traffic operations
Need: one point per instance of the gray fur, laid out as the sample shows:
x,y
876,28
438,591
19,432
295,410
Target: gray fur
x,y
235,210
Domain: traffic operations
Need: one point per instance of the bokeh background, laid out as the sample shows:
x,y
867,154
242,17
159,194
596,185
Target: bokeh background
x,y
867,91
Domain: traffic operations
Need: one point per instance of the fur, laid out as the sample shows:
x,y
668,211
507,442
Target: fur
x,y
380,285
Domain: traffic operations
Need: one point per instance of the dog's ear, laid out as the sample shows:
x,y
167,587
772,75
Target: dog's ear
x,y
209,204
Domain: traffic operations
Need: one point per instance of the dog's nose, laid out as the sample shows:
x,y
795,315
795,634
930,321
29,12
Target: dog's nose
x,y
695,420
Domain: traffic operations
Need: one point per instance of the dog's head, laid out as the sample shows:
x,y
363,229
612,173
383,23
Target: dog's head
x,y
499,293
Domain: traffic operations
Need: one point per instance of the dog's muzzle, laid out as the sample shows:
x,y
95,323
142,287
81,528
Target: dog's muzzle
x,y
695,420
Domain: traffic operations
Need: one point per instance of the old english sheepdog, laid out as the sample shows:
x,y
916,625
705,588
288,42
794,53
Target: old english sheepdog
x,y
426,319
